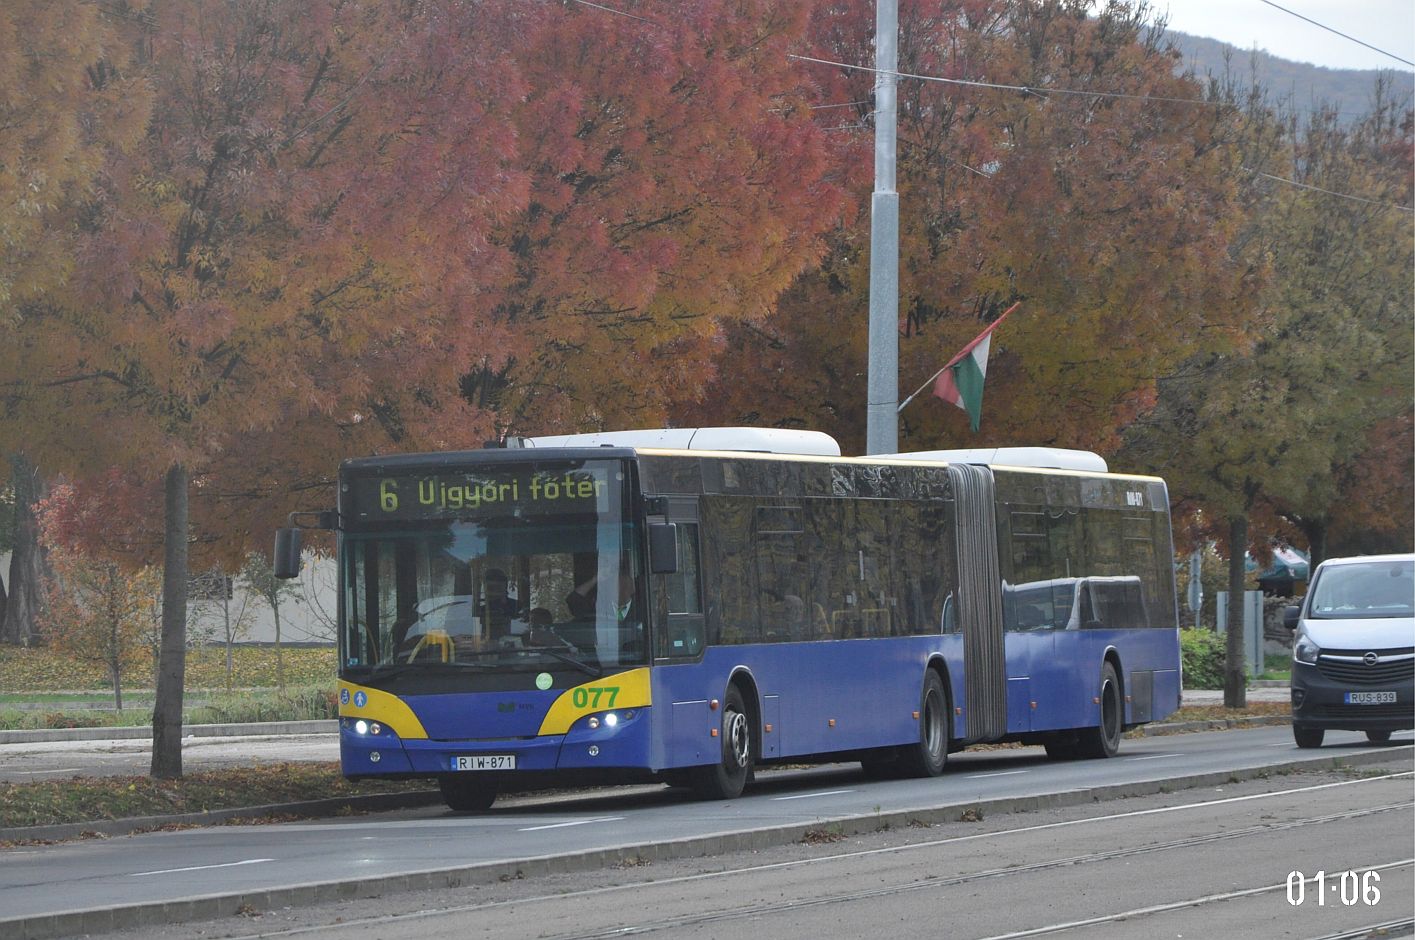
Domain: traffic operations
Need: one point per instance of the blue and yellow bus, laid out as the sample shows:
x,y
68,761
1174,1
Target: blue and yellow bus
x,y
686,606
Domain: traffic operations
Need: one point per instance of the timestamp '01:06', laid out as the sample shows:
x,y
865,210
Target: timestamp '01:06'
x,y
1352,888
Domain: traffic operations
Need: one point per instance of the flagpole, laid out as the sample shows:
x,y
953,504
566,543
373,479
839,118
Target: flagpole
x,y
927,382
961,353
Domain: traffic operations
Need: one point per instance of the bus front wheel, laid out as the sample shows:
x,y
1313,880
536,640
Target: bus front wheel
x,y
467,794
726,779
929,756
1104,739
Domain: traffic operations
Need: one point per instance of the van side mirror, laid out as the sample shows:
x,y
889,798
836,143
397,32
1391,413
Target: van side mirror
x,y
663,548
287,553
1290,615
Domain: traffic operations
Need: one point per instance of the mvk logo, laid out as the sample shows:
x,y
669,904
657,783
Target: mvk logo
x,y
505,707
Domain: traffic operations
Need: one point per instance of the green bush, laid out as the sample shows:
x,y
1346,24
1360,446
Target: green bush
x,y
1202,652
294,704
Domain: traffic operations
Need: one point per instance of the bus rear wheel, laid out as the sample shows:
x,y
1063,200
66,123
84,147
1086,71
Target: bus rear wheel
x,y
1104,739
929,756
467,794
726,779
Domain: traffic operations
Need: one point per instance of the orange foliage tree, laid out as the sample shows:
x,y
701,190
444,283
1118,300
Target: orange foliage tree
x,y
675,184
99,609
1108,210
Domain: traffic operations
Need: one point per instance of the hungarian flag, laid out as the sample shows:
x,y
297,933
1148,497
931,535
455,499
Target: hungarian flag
x,y
961,381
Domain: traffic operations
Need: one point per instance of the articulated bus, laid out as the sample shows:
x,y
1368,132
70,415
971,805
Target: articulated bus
x,y
684,606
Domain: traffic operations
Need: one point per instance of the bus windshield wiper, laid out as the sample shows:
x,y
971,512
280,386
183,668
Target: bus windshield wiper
x,y
390,669
564,658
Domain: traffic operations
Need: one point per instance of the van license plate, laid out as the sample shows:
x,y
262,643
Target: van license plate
x,y
1370,698
487,762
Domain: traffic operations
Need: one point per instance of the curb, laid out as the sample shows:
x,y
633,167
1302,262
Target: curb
x,y
255,728
100,920
1213,724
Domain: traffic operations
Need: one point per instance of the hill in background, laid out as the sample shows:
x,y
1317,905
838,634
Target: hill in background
x,y
1299,83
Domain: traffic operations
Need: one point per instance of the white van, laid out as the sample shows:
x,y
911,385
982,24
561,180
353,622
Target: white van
x,y
1353,657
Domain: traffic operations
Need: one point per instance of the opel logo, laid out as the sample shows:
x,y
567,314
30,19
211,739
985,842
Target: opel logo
x,y
1370,659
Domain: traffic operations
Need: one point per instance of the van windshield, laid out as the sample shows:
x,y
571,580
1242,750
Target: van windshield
x,y
1364,591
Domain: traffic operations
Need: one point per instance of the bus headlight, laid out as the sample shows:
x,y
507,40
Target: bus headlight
x,y
611,719
361,726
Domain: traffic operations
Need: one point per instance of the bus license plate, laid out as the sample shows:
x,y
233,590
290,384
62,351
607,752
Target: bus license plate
x,y
1370,698
485,762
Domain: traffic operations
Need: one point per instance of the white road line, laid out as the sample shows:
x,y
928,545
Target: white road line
x,y
807,796
59,770
1154,756
605,890
1000,773
173,871
576,822
1173,906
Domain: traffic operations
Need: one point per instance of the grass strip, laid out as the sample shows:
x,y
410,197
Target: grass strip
x,y
85,799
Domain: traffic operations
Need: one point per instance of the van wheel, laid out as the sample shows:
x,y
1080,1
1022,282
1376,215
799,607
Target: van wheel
x,y
726,779
1104,739
1378,737
929,756
1307,736
467,794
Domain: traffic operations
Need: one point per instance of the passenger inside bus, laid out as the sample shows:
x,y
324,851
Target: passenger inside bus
x,y
583,599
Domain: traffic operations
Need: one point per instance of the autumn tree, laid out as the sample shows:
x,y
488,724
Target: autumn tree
x,y
1377,493
1272,426
260,259
67,98
1096,189
1345,294
96,607
675,184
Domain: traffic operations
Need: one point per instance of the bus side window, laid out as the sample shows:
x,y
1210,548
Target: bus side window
x,y
684,586
682,635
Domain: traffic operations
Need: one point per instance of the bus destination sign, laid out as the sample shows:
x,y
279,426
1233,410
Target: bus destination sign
x,y
479,493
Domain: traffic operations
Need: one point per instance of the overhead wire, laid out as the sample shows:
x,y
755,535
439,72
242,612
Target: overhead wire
x,y
1337,32
1042,91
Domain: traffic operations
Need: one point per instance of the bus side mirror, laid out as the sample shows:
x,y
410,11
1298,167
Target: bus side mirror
x,y
287,553
663,548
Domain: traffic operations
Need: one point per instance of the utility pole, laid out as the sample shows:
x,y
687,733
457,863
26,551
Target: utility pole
x,y
882,420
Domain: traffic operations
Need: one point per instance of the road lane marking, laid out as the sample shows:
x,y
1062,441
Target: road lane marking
x,y
1173,906
807,796
576,822
60,770
1000,773
173,871
1155,756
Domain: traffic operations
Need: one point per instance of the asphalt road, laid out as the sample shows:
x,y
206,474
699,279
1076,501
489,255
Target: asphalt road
x,y
258,867
1237,860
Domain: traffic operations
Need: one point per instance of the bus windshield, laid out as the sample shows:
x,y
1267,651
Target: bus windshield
x,y
513,583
